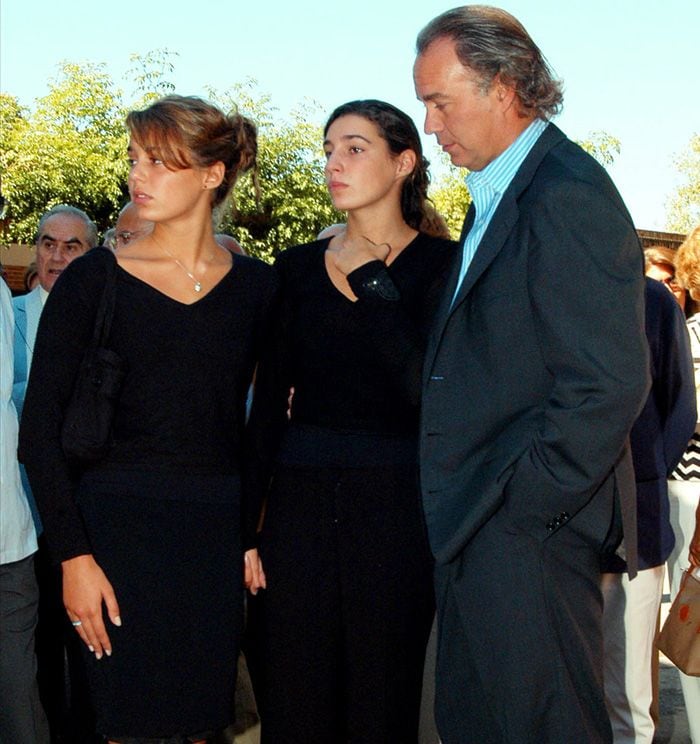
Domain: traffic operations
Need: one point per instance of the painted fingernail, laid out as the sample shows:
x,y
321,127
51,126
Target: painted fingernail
x,y
92,649
98,655
117,621
108,651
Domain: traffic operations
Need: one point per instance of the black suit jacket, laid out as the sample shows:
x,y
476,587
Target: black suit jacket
x,y
536,372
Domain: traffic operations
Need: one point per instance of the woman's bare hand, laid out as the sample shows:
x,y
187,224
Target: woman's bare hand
x,y
85,588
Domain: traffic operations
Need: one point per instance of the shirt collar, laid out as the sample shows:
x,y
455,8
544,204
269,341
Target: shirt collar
x,y
498,174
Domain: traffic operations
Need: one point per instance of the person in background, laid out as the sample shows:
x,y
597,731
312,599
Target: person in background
x,y
31,278
151,538
331,231
535,372
684,485
109,239
341,630
230,243
64,233
22,718
130,226
658,439
660,264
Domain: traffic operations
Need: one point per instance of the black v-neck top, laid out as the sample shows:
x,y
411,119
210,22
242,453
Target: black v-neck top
x,y
355,366
182,404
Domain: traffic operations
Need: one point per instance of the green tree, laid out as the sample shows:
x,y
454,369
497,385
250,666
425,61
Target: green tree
x,y
451,197
292,205
149,74
70,149
684,205
603,146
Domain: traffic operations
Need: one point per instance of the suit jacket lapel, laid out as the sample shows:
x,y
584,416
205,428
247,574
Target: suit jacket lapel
x,y
34,308
507,212
27,314
494,238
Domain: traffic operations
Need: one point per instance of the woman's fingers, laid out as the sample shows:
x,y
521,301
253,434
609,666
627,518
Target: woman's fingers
x,y
85,588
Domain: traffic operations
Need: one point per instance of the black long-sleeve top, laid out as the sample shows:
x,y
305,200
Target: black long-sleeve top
x,y
181,411
355,366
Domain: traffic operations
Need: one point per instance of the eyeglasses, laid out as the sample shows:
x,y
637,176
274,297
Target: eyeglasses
x,y
124,237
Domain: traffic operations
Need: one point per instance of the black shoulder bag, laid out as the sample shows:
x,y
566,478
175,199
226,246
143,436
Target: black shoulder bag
x,y
86,435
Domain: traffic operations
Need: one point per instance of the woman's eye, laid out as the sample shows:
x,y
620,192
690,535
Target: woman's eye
x,y
356,150
131,162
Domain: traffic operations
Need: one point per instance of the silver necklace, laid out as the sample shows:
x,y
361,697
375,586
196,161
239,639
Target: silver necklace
x,y
197,282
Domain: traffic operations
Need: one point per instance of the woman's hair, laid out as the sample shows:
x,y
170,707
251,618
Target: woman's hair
x,y
187,131
493,43
400,134
688,264
659,255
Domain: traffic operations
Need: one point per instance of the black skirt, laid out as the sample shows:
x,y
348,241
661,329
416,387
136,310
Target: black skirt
x,y
171,548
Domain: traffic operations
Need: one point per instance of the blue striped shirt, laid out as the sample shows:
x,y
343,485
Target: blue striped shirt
x,y
488,185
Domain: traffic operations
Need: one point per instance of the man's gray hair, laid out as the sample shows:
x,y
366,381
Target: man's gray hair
x,y
90,226
494,44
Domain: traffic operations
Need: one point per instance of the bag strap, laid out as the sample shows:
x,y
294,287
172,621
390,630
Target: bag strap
x,y
105,310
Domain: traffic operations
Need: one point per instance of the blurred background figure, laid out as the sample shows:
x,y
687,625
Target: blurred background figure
x,y
22,718
331,231
660,264
31,277
109,239
130,226
230,243
658,439
64,233
684,486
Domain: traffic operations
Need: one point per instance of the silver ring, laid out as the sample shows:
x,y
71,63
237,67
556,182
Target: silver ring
x,y
76,623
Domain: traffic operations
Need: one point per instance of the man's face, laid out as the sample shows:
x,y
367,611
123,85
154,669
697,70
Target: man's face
x,y
63,237
467,121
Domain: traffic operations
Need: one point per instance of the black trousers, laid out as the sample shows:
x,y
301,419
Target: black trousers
x,y
340,632
22,719
520,634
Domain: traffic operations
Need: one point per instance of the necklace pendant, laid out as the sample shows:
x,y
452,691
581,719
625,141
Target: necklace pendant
x,y
197,287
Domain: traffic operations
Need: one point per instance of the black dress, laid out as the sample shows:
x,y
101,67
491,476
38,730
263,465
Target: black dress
x,y
162,513
339,635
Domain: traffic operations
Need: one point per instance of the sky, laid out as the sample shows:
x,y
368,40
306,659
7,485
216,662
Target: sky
x,y
629,67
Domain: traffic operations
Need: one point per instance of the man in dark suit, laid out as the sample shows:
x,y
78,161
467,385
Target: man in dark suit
x,y
535,372
658,440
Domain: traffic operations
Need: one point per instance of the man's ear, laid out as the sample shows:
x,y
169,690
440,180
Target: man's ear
x,y
505,93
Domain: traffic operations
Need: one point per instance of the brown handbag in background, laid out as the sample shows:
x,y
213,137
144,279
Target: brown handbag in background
x,y
679,639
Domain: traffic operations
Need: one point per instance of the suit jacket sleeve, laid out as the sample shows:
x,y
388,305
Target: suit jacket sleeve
x,y
585,281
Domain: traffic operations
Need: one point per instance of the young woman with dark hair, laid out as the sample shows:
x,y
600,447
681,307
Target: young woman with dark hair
x,y
341,630
151,539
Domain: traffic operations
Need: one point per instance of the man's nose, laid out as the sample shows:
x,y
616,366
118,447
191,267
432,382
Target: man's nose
x,y
59,252
432,123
